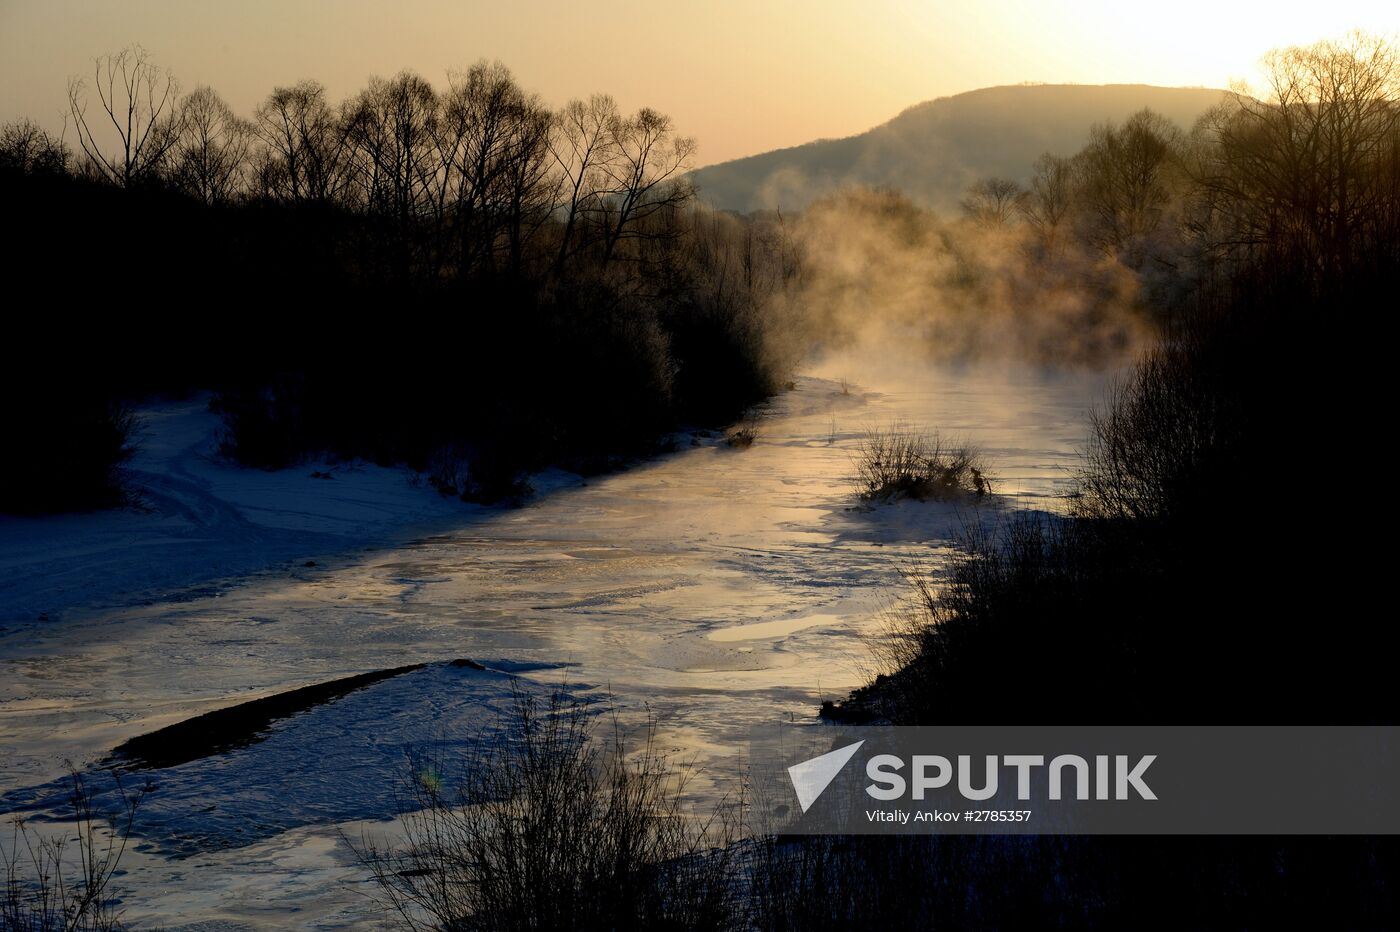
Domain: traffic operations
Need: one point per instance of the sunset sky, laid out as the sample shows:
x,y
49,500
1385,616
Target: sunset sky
x,y
743,77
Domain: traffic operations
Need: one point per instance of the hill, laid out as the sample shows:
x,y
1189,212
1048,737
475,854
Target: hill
x,y
935,149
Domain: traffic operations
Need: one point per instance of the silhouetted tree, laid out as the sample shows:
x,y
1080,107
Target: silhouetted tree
x,y
393,166
139,101
477,196
28,149
525,192
494,140
210,156
643,176
304,154
1309,171
583,146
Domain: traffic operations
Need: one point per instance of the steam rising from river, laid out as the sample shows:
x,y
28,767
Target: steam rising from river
x,y
881,276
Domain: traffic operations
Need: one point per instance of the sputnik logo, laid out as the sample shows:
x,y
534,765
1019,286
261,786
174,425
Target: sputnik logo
x,y
811,777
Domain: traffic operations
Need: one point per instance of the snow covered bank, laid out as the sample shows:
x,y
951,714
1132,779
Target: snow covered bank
x,y
343,759
715,588
199,520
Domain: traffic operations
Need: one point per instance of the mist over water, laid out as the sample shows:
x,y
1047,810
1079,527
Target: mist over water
x,y
716,587
944,416
898,287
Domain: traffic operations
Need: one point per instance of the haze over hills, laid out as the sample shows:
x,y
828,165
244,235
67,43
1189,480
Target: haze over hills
x,y
935,149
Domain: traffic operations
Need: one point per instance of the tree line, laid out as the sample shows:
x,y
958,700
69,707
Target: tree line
x,y
419,270
460,278
463,181
1305,173
1216,561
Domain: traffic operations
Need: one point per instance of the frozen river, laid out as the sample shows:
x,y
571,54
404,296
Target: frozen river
x,y
719,588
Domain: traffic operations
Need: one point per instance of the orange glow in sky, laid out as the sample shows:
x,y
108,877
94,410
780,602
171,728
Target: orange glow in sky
x,y
743,76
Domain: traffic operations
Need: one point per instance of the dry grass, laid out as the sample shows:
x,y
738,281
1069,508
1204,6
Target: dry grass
x,y
898,462
744,435
742,438
554,830
63,882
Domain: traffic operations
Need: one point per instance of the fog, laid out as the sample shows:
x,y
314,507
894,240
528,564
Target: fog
x,y
882,279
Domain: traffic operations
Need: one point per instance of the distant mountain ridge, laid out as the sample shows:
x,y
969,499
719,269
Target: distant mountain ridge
x,y
933,150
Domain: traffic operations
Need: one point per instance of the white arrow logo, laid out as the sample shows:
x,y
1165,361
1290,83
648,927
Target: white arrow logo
x,y
811,777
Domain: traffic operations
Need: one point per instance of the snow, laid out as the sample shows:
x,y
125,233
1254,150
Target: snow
x,y
345,760
716,588
201,520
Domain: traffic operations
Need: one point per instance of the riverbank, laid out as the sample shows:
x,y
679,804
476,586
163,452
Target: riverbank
x,y
717,588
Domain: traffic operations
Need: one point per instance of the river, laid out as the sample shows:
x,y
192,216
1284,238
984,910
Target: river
x,y
714,588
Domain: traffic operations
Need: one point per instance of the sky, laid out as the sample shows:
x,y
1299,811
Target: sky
x,y
742,76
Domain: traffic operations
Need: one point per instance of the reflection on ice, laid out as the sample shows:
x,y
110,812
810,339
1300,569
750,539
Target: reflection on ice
x,y
345,759
772,629
720,588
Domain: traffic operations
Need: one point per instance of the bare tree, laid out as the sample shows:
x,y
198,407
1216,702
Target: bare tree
x,y
391,145
583,146
526,190
644,176
617,173
495,149
1046,205
394,165
211,153
25,147
305,144
1125,178
993,201
1310,168
128,141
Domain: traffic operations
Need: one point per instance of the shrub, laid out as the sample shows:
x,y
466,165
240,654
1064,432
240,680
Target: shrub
x,y
25,148
1209,542
1164,443
45,890
65,450
550,831
902,463
1071,882
1031,599
742,437
261,426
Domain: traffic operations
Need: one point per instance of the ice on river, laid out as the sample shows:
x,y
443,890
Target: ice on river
x,y
719,588
335,762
